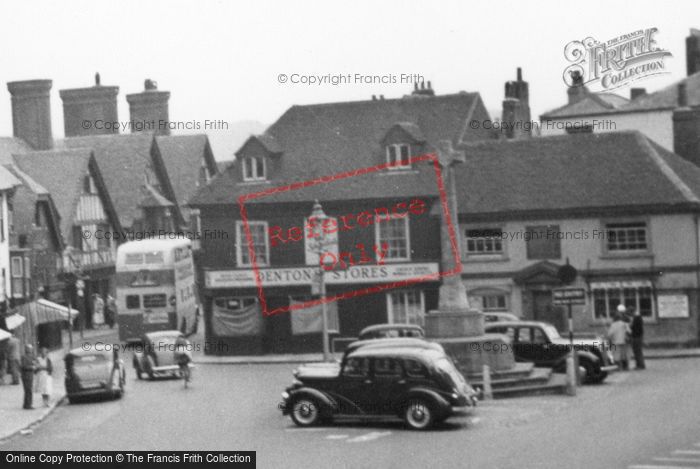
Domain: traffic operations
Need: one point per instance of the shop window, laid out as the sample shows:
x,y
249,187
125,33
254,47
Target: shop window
x,y
406,307
606,299
394,234
483,241
259,241
543,242
494,302
399,155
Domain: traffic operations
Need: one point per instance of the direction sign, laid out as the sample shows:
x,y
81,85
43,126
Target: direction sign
x,y
569,296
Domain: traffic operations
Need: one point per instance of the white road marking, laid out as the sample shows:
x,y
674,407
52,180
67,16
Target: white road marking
x,y
694,452
336,437
368,437
683,460
649,466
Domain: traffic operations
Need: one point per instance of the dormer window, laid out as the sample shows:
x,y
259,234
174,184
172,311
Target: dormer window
x,y
253,169
398,154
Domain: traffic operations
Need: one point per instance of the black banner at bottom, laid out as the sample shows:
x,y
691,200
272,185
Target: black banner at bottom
x,y
127,459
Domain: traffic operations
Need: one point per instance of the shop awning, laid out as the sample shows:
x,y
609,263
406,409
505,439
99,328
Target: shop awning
x,y
13,321
48,311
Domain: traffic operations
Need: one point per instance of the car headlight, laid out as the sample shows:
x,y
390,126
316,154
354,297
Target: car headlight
x,y
285,396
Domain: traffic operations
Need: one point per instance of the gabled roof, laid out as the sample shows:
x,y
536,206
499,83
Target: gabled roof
x,y
122,160
7,180
327,139
10,146
411,129
24,203
667,98
183,155
61,172
592,103
152,198
568,174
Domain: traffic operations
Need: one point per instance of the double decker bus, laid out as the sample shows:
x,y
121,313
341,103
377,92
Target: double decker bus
x,y
156,289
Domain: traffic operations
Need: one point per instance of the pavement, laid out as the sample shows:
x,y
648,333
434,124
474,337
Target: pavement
x,y
14,419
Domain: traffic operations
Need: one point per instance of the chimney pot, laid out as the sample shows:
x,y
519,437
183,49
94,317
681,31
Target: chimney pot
x,y
430,86
381,96
637,92
91,104
520,74
150,106
692,52
97,79
374,98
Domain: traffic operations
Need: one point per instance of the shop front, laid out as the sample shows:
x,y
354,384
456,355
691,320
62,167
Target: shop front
x,y
285,316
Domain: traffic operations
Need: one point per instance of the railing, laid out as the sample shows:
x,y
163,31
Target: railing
x,y
80,260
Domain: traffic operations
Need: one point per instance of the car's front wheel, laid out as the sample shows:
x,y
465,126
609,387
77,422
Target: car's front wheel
x,y
418,415
306,412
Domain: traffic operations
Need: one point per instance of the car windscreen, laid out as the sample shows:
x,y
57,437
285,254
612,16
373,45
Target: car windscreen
x,y
446,368
551,331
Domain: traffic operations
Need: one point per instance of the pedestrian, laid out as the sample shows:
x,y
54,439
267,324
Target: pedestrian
x,y
617,335
28,364
110,311
13,358
637,339
3,360
98,311
44,381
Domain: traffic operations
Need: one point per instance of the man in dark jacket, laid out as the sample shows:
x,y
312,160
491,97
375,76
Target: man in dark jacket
x,y
637,339
28,365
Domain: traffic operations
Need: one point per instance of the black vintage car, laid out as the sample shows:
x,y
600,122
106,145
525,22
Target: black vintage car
x,y
419,385
91,372
540,343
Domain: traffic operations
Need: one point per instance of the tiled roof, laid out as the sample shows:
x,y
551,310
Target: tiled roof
x,y
10,146
152,198
7,180
182,155
327,139
667,98
592,103
24,205
123,160
610,170
61,172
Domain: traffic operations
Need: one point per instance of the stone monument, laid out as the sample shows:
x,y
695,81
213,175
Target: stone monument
x,y
455,325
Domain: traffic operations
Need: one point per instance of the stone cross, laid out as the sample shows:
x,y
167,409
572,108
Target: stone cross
x,y
453,294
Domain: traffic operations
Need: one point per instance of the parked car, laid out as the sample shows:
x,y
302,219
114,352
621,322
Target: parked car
x,y
419,385
499,317
540,343
156,355
385,331
90,373
391,342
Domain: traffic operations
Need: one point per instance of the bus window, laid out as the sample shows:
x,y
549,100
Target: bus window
x,y
154,301
132,302
133,258
154,257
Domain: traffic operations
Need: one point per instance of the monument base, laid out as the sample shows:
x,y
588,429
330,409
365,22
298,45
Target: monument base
x,y
461,333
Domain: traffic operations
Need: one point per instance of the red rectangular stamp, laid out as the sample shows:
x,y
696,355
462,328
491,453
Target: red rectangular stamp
x,y
329,261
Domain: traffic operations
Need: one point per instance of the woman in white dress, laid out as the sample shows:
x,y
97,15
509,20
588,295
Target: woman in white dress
x,y
44,381
98,311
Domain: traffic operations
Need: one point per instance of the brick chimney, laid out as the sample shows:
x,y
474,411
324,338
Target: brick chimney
x,y
31,112
686,128
90,111
577,91
423,91
516,108
149,106
692,52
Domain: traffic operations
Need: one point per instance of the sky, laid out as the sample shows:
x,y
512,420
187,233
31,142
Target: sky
x,y
221,60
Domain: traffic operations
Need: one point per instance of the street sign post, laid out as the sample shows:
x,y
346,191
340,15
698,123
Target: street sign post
x,y
568,297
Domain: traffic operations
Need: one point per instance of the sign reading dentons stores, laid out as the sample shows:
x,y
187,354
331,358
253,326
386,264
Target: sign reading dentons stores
x,y
305,275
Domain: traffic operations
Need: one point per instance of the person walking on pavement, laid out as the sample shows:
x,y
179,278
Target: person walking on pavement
x,y
28,364
637,338
44,381
617,335
13,358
